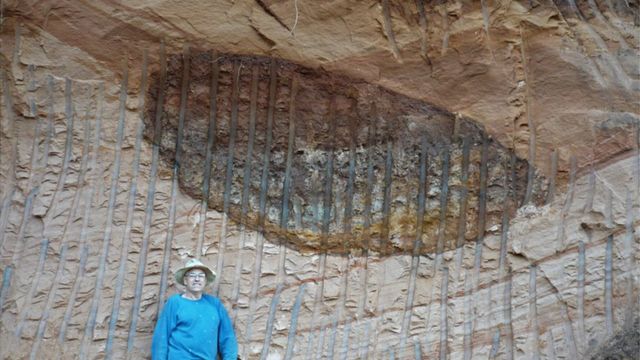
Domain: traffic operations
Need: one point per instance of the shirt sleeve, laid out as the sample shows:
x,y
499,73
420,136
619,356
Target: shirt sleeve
x,y
227,343
164,325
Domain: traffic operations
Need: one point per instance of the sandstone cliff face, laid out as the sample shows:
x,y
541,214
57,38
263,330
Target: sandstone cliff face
x,y
403,179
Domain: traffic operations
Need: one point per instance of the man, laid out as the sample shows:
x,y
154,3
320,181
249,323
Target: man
x,y
194,325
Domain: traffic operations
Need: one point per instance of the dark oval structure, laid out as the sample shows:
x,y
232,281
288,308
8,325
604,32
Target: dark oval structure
x,y
329,163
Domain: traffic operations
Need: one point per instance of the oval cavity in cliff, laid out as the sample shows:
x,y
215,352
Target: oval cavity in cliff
x,y
324,162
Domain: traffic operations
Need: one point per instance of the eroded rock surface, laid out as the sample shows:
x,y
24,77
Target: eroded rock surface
x,y
95,216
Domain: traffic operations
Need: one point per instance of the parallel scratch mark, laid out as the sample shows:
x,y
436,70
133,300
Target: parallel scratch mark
x,y
415,259
367,209
115,175
580,292
6,280
552,176
286,186
608,273
321,345
88,196
269,328
386,200
80,182
444,194
70,218
327,203
245,188
507,317
233,129
444,319
348,214
482,209
42,324
166,258
345,340
74,293
264,183
629,256
211,143
62,177
463,205
144,246
534,327
416,349
126,239
284,214
485,16
464,181
4,214
24,311
26,215
291,338
365,346
468,321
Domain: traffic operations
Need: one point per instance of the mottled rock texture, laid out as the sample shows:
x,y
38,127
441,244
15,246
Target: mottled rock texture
x,y
370,179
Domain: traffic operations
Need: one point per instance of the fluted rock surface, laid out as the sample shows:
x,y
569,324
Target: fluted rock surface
x,y
369,179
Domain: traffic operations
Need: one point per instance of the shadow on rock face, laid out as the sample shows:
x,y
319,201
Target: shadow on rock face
x,y
328,163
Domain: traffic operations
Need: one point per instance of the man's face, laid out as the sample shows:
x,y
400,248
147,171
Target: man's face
x,y
195,280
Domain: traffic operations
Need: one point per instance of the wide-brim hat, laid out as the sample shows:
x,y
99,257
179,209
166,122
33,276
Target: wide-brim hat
x,y
195,264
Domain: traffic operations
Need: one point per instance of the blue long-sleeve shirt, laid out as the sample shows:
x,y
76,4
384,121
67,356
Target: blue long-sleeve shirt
x,y
194,329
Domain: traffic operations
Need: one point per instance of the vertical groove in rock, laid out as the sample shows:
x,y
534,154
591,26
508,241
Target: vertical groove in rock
x,y
346,340
415,258
42,324
24,310
272,314
386,199
166,258
444,195
533,312
444,317
339,212
264,183
126,237
629,256
509,343
19,246
245,189
68,147
211,145
83,247
106,241
233,125
580,293
291,337
148,212
468,321
73,295
531,125
608,263
6,280
552,177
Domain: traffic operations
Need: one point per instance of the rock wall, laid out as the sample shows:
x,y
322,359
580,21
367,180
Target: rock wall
x,y
369,179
